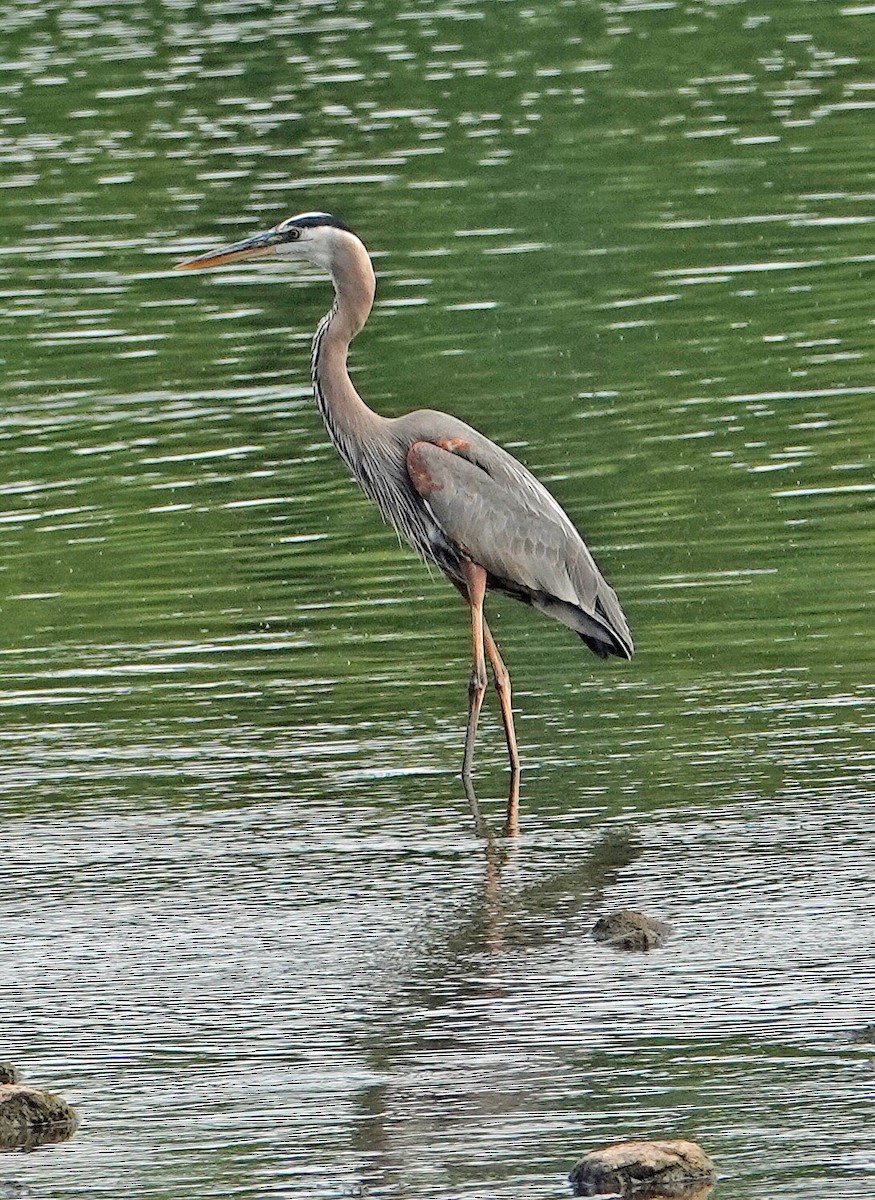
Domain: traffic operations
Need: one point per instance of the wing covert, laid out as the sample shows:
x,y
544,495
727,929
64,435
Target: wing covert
x,y
495,512
501,526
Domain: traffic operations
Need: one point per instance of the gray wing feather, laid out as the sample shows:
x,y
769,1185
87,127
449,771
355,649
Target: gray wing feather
x,y
500,516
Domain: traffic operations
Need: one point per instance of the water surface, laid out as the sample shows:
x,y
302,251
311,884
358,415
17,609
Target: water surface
x,y
248,927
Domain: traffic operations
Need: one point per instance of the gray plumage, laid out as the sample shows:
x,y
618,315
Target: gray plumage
x,y
487,507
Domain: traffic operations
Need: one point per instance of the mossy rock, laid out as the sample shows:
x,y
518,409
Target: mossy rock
x,y
30,1117
630,930
646,1171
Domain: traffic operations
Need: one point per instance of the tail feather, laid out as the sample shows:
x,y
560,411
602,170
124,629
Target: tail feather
x,y
605,633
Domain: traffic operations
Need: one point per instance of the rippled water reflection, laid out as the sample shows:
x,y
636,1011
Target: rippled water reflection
x,y
248,928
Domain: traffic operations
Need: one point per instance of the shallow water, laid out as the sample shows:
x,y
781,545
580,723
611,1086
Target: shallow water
x,y
248,928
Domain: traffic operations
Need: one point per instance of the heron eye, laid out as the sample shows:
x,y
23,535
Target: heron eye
x,y
293,234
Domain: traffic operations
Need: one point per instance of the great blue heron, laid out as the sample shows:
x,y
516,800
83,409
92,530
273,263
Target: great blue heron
x,y
460,501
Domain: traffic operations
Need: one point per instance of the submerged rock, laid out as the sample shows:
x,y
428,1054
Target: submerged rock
x,y
645,1170
864,1035
30,1117
630,930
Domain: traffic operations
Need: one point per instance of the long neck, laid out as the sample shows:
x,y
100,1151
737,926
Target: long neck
x,y
347,418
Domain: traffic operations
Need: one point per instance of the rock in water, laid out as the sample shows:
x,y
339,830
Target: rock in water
x,y
30,1117
864,1035
629,930
645,1169
10,1189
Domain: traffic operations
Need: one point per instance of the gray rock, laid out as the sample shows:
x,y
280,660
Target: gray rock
x,y
645,1170
630,930
11,1189
30,1117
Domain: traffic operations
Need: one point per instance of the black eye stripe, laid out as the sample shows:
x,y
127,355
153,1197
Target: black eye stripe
x,y
310,221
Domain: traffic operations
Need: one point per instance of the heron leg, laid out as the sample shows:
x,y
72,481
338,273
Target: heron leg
x,y
480,825
475,581
502,686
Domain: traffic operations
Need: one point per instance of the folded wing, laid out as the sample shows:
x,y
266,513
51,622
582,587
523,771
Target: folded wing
x,y
497,514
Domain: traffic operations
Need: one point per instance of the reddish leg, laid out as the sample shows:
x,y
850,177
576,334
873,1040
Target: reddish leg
x,y
475,580
502,686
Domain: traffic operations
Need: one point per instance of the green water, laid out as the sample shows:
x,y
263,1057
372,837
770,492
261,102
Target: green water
x,y
242,893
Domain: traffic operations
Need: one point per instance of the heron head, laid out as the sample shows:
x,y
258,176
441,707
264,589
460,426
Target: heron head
x,y
310,236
